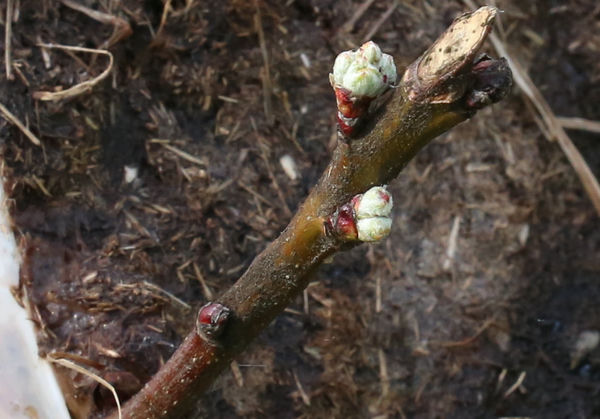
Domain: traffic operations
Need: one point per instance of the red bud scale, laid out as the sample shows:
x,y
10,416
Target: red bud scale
x,y
211,321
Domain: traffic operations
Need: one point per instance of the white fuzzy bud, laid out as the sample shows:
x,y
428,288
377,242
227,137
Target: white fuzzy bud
x,y
372,211
376,202
373,229
341,64
370,52
364,72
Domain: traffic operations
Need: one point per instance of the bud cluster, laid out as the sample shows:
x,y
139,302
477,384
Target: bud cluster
x,y
365,218
359,77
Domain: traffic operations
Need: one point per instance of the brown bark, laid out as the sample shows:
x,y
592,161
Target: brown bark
x,y
435,94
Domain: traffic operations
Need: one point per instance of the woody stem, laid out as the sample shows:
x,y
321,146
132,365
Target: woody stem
x,y
432,98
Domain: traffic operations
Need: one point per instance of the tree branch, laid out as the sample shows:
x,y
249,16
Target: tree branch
x,y
442,88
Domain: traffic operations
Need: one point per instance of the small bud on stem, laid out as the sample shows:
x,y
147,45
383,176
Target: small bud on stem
x,y
211,321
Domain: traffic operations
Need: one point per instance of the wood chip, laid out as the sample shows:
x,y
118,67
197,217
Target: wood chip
x,y
289,166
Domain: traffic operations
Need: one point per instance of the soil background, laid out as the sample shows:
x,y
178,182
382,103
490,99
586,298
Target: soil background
x,y
152,193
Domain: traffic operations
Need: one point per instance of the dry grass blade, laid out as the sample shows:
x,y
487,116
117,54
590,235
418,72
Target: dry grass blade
x,y
205,288
384,377
122,29
163,18
580,124
305,397
552,128
452,244
183,154
81,87
14,120
7,39
469,340
349,25
73,366
266,72
173,297
385,16
516,385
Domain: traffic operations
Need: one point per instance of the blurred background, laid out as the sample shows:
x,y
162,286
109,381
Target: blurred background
x,y
187,151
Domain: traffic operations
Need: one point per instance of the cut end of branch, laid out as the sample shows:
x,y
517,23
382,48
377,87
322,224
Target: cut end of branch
x,y
432,78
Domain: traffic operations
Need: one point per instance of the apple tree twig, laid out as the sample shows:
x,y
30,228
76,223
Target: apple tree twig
x,y
442,88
